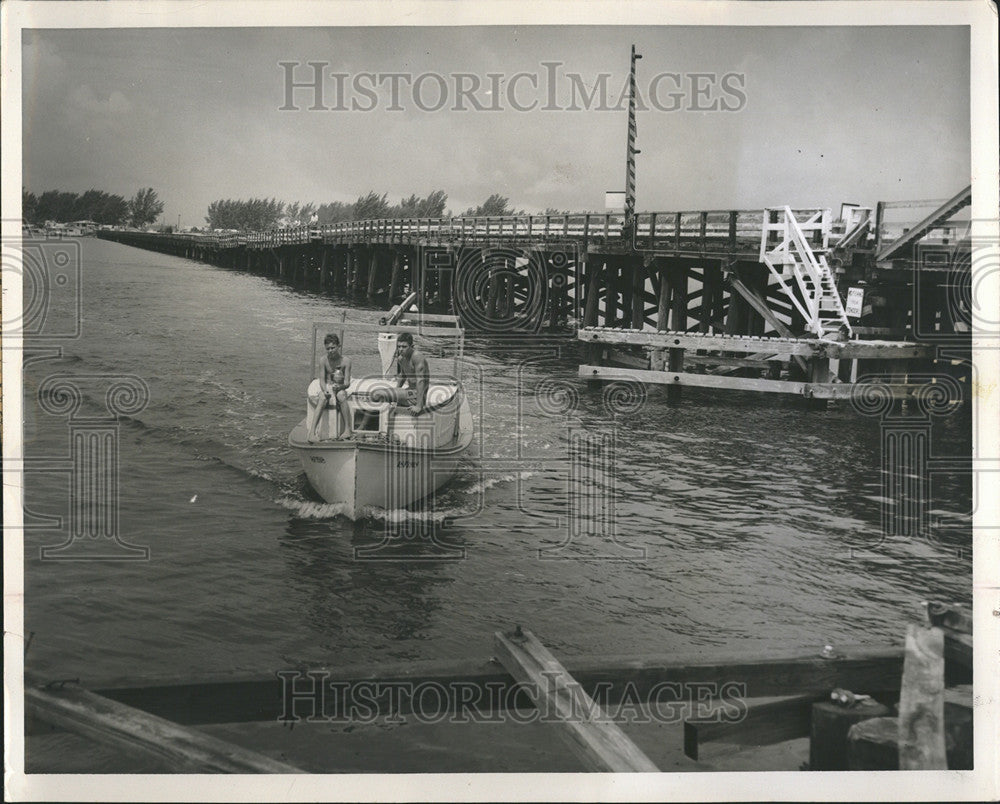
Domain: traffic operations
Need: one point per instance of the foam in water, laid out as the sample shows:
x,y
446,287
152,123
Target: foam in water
x,y
477,488
306,509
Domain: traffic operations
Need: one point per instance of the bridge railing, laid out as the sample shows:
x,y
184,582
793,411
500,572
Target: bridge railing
x,y
712,230
701,231
481,227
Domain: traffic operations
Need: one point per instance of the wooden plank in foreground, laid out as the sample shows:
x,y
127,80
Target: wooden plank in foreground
x,y
135,731
601,744
759,724
921,701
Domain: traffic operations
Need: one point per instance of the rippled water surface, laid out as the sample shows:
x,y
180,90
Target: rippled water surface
x,y
734,522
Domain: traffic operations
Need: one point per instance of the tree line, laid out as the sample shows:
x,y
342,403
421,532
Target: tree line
x,y
108,209
258,214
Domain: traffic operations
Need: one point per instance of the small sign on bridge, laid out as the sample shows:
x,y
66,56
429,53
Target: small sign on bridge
x,y
855,302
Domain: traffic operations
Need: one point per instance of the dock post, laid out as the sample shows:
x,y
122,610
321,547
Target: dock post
x,y
508,305
324,267
445,280
611,292
397,267
659,357
707,299
678,315
373,273
492,289
591,269
638,288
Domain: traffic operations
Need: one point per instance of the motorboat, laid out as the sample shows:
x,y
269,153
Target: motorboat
x,y
394,458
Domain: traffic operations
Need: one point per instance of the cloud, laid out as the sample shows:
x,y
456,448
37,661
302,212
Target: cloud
x,y
85,107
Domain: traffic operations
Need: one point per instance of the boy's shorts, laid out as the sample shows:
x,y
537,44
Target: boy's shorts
x,y
317,396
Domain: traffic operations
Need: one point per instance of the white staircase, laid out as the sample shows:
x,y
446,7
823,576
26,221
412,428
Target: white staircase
x,y
791,260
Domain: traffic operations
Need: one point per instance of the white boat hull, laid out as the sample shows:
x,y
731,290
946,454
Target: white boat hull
x,y
392,470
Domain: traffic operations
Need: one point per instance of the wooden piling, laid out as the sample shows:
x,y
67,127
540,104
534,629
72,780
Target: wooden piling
x,y
592,269
373,274
638,289
830,725
394,282
662,312
611,291
492,291
921,701
873,744
324,267
446,275
678,322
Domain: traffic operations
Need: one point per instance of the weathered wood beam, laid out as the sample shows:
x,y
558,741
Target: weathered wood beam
x,y
638,289
485,686
921,701
815,390
112,723
760,724
597,741
592,269
627,359
373,271
678,320
942,213
765,312
872,350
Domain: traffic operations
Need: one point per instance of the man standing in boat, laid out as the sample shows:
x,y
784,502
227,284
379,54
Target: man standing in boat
x,y
413,377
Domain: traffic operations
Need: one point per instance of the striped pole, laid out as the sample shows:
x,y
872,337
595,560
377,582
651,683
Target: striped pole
x,y
631,152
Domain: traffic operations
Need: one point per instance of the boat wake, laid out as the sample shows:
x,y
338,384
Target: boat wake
x,y
488,483
308,509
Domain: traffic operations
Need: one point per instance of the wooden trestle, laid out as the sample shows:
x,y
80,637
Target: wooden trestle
x,y
709,361
691,288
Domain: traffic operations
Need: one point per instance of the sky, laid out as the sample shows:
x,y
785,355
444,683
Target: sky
x,y
734,118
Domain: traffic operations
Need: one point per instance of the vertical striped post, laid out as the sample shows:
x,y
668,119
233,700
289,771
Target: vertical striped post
x,y
631,151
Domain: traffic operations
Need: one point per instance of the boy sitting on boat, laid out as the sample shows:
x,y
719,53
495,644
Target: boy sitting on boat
x,y
412,378
331,387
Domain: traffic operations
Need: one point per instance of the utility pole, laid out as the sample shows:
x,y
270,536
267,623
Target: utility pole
x,y
631,152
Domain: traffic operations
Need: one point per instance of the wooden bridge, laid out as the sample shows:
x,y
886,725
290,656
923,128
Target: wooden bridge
x,y
777,275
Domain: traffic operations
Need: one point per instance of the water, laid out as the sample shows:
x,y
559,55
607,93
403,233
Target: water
x,y
740,521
